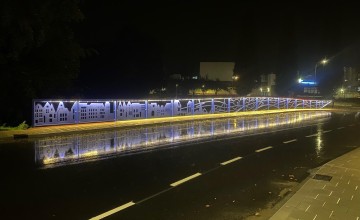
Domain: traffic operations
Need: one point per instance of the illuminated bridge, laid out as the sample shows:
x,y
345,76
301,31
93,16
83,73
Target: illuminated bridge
x,y
56,112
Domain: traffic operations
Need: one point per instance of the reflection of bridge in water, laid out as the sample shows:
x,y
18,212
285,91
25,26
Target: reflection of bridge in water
x,y
67,149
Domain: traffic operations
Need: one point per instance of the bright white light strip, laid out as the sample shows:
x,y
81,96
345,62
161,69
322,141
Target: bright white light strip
x,y
262,149
313,135
185,179
122,207
327,131
293,140
230,161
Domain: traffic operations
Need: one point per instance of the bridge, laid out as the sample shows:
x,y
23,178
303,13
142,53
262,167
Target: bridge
x,y
57,112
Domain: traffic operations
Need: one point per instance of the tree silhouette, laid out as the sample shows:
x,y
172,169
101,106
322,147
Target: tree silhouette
x,y
38,53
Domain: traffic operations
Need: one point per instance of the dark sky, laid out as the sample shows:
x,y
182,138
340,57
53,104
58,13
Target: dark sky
x,y
145,41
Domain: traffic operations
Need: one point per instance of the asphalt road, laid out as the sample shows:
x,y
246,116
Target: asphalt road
x,y
223,179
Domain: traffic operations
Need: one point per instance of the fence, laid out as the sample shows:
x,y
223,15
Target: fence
x,y
48,112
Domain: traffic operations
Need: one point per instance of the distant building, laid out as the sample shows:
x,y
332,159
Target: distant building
x,y
222,71
351,79
267,85
350,87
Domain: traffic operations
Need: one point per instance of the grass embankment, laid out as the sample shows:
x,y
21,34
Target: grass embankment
x,y
22,126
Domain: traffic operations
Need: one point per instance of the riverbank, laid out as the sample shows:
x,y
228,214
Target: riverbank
x,y
62,129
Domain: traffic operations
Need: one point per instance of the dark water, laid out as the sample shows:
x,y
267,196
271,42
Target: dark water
x,y
89,173
65,149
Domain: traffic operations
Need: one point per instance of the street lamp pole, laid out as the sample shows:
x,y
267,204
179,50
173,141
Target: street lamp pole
x,y
323,62
316,65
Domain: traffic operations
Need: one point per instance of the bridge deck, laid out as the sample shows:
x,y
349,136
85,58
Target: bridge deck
x,y
56,129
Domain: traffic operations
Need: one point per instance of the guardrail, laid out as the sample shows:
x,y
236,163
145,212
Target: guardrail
x,y
56,112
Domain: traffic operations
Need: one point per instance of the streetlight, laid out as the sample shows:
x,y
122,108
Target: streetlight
x,y
234,78
342,91
323,62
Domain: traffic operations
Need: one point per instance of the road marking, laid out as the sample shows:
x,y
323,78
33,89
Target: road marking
x,y
356,187
315,217
230,161
122,207
330,193
324,186
340,128
185,179
286,142
307,208
348,182
352,197
337,184
338,201
331,214
323,204
312,135
327,131
262,149
357,218
316,196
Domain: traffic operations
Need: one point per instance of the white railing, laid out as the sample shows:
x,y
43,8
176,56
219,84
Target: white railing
x,y
56,112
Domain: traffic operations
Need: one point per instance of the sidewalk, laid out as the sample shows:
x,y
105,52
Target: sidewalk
x,y
321,198
56,129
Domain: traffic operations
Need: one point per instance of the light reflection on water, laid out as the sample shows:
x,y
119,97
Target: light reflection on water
x,y
67,149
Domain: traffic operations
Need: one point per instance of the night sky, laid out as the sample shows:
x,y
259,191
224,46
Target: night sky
x,y
138,44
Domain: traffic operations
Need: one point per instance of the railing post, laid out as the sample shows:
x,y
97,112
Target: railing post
x,y
77,111
114,110
295,105
268,103
256,103
287,103
33,113
146,108
172,107
303,103
193,107
278,104
212,106
228,105
244,103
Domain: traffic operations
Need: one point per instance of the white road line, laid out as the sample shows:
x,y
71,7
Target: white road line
x,y
324,186
327,131
185,179
316,196
262,149
338,201
331,214
356,187
357,218
340,128
330,193
337,184
348,182
230,161
352,197
315,217
312,135
293,140
122,207
307,208
323,204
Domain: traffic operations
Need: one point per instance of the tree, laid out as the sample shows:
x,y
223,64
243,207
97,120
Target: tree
x,y
38,54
